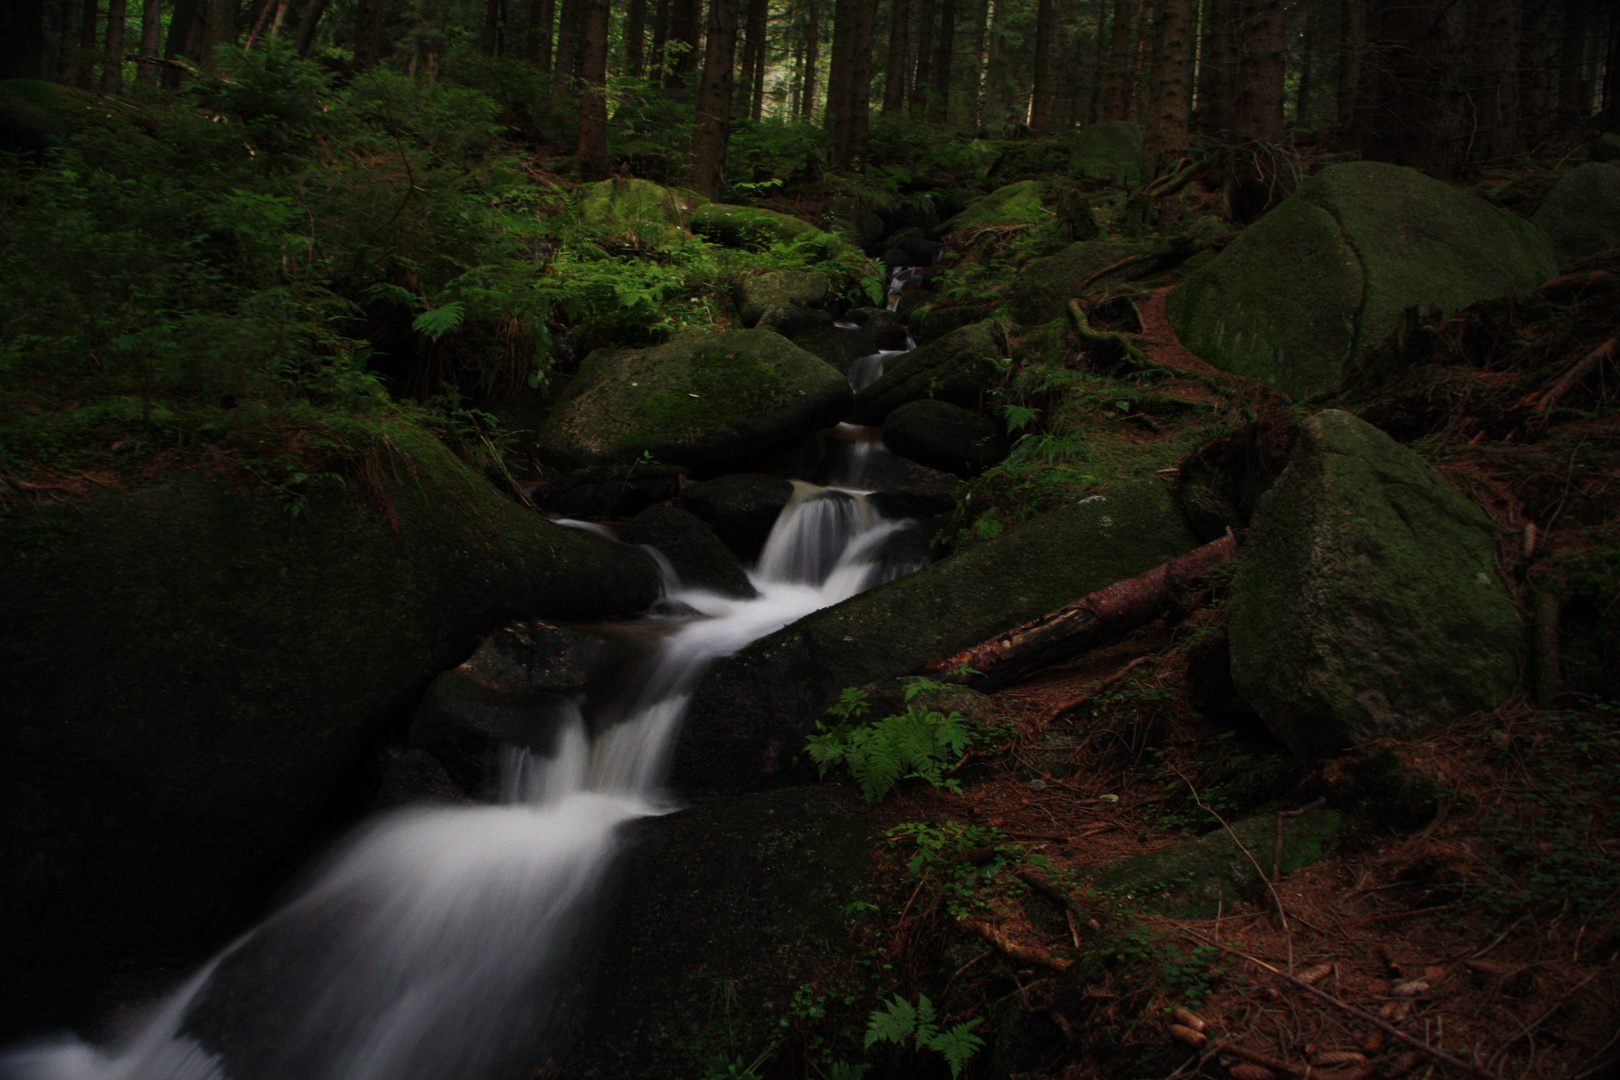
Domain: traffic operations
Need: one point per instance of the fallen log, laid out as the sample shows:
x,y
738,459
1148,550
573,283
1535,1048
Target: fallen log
x,y
1088,622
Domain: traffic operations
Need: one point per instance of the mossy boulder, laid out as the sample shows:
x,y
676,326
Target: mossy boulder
x,y
1110,150
1012,204
705,401
956,368
627,203
749,227
741,508
1042,289
1582,212
693,548
205,672
905,489
609,492
719,916
944,436
779,288
1197,879
1324,277
751,713
1367,603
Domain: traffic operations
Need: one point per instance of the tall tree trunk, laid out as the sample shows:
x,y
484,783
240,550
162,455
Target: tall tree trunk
x,y
565,69
635,38
185,13
755,54
593,148
1538,52
494,25
944,52
89,38
1308,37
1494,67
922,71
1413,113
151,42
895,68
112,75
849,80
981,62
812,58
372,20
67,49
712,131
1260,82
1041,93
308,24
1352,43
683,28
1169,104
1121,55
262,12
542,14
22,40
659,56
1574,60
279,18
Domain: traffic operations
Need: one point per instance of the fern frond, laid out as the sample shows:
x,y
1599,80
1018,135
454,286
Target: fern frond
x,y
437,322
894,1023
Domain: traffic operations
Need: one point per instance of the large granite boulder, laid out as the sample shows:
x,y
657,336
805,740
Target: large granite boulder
x,y
779,288
1018,203
1110,150
751,713
944,436
609,492
629,204
956,368
1325,276
704,402
741,508
1042,289
1367,603
693,549
193,676
1582,212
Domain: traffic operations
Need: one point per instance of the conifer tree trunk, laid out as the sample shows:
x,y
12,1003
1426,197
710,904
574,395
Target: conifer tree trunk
x,y
1352,43
658,56
1041,90
755,54
849,79
712,131
1538,50
593,148
185,12
812,57
895,67
1307,64
922,71
112,75
944,52
565,70
981,62
494,24
1413,110
89,38
1121,56
1257,108
371,32
1575,60
1494,65
542,13
635,38
1165,140
151,41
683,28
307,25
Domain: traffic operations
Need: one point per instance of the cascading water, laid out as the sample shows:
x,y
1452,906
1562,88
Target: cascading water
x,y
431,935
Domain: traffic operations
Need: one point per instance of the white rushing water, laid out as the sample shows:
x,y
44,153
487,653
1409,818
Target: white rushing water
x,y
430,935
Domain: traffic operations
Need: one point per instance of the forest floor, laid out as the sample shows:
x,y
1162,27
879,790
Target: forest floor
x,y
1466,922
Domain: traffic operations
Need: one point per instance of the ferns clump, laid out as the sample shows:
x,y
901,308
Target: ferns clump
x,y
901,1022
918,744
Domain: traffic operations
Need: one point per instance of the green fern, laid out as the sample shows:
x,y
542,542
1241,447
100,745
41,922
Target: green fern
x,y
918,744
437,322
901,1023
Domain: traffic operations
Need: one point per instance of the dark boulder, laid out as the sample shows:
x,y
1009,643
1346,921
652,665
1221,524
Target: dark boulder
x,y
957,368
609,492
741,508
692,548
944,436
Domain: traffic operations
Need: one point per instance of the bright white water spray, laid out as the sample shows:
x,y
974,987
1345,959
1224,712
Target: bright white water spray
x,y
430,936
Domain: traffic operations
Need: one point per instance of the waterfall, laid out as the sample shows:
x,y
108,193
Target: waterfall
x,y
433,934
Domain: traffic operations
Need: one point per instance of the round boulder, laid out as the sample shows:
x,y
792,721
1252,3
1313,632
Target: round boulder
x,y
741,508
1582,212
692,548
944,436
957,368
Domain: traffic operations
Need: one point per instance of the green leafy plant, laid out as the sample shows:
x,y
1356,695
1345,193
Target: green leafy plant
x,y
967,864
905,1024
918,744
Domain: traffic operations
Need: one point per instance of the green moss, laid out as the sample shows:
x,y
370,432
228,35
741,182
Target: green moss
x,y
1012,204
727,386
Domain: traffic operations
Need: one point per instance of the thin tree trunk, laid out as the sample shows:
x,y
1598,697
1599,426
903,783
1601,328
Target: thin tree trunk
x,y
1352,43
542,14
593,148
1040,94
755,54
683,28
1494,66
658,57
371,44
494,18
89,38
262,12
151,41
565,69
278,19
1166,139
812,58
895,67
635,38
1105,615
981,62
308,24
922,72
1307,65
112,75
1120,56
712,131
944,52
67,53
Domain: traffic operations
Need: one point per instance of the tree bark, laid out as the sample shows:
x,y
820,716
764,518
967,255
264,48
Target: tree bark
x,y
1260,78
812,58
712,131
1413,108
981,61
1097,619
635,38
755,55
939,105
1352,43
896,66
371,45
922,69
658,57
307,25
1494,67
89,38
1120,57
565,68
1041,93
593,148
542,13
849,80
112,75
683,28
494,24
1165,141
146,71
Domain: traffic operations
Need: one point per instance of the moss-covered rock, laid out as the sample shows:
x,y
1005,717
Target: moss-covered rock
x,y
1367,603
1582,212
205,671
1199,878
780,288
1042,289
721,914
693,548
956,368
1110,150
609,492
1325,276
905,489
704,401
751,713
1011,204
626,203
741,508
747,226
944,436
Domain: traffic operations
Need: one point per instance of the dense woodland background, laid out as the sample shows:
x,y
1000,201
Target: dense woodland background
x,y
1434,84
